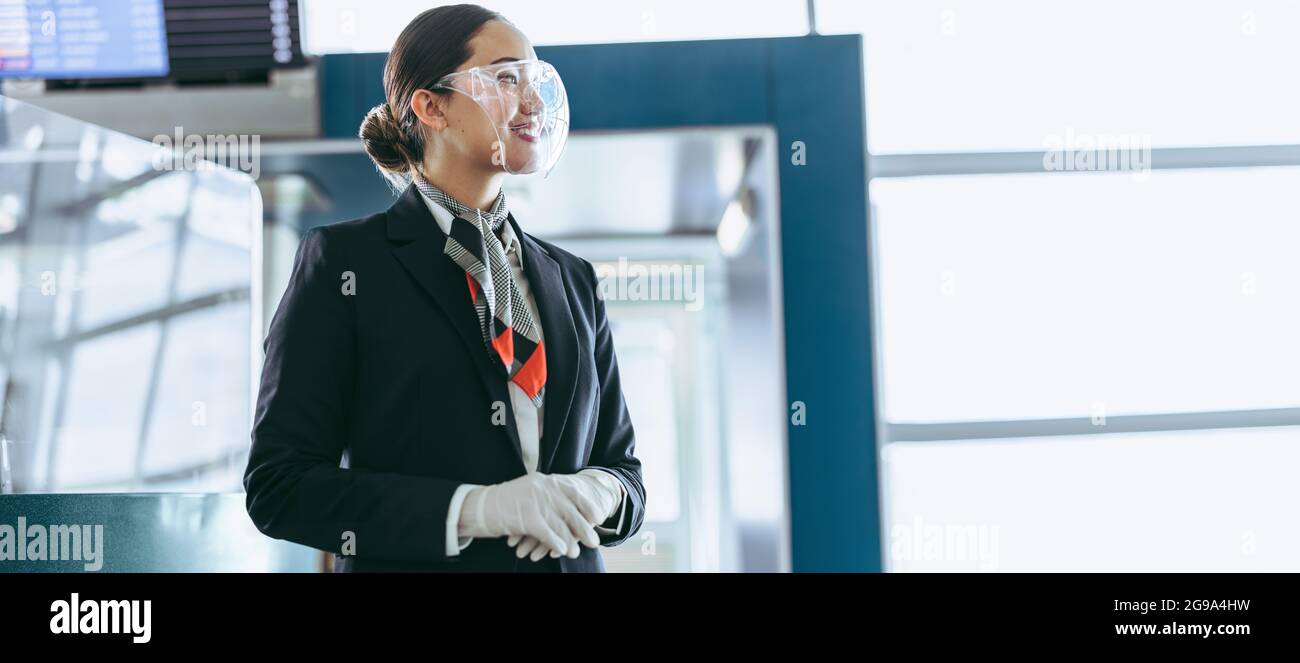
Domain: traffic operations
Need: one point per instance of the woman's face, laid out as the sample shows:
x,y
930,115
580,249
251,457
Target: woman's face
x,y
470,136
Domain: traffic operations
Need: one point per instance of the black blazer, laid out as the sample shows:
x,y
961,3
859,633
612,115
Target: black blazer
x,y
375,405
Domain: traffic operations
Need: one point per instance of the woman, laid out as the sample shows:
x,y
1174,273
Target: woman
x,y
440,390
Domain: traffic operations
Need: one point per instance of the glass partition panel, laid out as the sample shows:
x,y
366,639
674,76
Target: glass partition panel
x,y
688,264
127,310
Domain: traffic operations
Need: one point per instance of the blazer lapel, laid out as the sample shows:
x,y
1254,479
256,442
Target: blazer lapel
x,y
418,243
560,340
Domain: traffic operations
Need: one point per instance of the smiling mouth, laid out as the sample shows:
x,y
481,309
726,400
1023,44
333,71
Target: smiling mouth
x,y
526,131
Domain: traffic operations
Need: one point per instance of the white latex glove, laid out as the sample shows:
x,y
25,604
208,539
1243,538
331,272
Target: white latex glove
x,y
595,499
527,546
531,505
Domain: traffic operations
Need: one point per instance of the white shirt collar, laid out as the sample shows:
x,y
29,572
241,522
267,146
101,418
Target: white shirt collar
x,y
444,217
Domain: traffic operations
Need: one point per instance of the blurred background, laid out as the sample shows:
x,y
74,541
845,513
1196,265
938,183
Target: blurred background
x,y
995,285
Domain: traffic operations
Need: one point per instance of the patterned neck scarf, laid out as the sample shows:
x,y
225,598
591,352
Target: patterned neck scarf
x,y
508,327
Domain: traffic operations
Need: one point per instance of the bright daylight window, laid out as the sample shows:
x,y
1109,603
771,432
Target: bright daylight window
x,y
1079,369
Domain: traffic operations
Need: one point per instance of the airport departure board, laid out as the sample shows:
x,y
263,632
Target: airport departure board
x,y
82,39
229,37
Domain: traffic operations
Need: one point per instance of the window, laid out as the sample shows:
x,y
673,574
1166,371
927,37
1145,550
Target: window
x,y
1022,296
993,75
1154,502
1082,216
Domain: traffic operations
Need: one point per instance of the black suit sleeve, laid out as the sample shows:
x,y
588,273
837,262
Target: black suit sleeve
x,y
614,448
296,488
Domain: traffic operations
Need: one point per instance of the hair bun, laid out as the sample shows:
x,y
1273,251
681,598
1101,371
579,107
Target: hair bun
x,y
385,141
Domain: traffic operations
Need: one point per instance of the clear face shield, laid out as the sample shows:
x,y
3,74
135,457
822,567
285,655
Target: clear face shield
x,y
526,103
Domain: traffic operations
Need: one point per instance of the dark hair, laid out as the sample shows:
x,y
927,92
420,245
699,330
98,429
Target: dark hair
x,y
433,45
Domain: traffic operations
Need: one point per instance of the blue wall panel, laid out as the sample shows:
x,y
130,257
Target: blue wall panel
x,y
817,100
